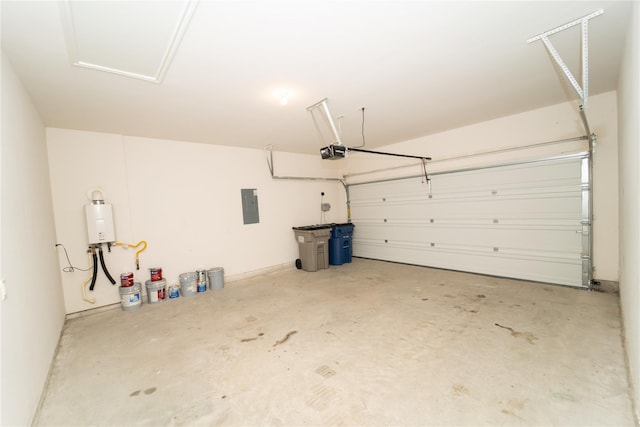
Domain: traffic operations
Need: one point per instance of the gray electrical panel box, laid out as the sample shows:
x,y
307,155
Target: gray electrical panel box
x,y
250,206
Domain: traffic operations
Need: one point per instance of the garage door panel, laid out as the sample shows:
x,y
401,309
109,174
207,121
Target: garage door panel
x,y
535,174
422,206
551,222
558,270
564,205
422,192
560,239
523,221
559,173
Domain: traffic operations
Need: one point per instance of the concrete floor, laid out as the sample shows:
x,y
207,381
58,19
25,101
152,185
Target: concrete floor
x,y
366,343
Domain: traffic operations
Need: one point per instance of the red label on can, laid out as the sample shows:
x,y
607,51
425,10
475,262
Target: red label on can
x,y
156,274
126,279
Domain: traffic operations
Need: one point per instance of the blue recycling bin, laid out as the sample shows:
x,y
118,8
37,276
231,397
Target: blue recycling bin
x,y
340,243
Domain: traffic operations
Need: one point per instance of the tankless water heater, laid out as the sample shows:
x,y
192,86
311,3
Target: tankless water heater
x,y
99,220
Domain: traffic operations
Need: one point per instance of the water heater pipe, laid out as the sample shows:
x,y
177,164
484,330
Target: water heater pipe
x,y
104,267
84,284
94,274
141,242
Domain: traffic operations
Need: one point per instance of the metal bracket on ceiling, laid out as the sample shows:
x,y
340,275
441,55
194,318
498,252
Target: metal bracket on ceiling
x,y
321,108
583,91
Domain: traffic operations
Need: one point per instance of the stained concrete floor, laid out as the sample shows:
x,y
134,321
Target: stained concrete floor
x,y
365,343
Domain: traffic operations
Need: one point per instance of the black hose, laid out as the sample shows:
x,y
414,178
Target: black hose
x,y
95,271
104,267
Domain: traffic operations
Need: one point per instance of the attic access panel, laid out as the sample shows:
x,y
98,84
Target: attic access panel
x,y
135,39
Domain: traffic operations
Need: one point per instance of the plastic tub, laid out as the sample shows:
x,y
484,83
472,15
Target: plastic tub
x,y
156,291
216,278
188,283
131,297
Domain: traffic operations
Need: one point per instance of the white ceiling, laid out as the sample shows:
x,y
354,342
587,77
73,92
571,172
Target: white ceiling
x,y
418,67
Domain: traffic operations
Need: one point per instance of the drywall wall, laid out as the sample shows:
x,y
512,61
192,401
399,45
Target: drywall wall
x,y
33,311
538,126
629,159
184,199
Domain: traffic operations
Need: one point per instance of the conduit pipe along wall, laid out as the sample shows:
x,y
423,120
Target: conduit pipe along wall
x,y
271,165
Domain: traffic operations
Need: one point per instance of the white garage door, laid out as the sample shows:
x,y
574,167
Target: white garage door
x,y
526,221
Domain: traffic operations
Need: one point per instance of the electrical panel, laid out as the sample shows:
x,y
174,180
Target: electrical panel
x,y
250,205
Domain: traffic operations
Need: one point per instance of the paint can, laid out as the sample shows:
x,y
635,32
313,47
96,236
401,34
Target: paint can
x,y
202,280
131,297
126,280
174,291
188,283
216,278
156,274
156,291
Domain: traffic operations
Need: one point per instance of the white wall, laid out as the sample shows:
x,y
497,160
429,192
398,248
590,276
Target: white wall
x,y
33,312
537,126
184,199
629,159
